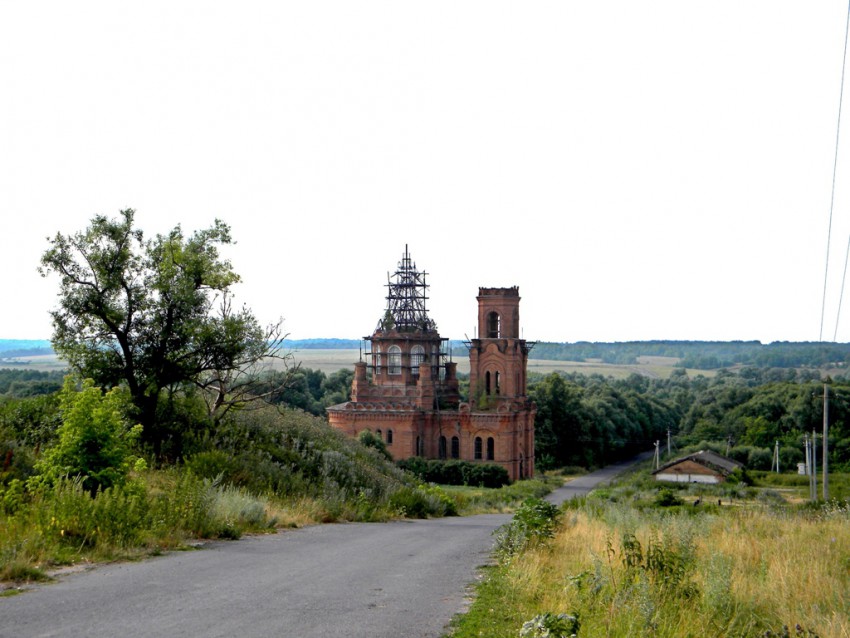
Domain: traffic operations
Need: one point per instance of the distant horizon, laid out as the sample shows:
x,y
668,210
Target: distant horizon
x,y
306,339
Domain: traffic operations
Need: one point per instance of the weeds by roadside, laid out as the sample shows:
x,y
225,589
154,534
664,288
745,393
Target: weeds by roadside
x,y
627,562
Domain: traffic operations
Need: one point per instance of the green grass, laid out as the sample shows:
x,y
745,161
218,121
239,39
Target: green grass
x,y
796,486
487,500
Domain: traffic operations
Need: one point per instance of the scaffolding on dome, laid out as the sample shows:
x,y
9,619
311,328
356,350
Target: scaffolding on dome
x,y
406,296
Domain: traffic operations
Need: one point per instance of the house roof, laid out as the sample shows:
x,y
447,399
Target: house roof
x,y
709,459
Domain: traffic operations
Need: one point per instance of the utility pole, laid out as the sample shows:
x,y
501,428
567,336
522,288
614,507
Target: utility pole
x,y
814,465
825,442
669,448
807,453
657,457
775,463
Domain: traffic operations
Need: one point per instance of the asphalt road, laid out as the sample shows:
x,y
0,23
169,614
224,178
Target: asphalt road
x,y
398,579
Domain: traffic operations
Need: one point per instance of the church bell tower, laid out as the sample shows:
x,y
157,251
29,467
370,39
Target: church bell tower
x,y
498,357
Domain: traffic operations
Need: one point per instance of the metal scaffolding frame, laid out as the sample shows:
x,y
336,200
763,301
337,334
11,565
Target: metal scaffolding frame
x,y
406,299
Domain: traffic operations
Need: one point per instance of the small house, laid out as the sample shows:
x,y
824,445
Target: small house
x,y
704,466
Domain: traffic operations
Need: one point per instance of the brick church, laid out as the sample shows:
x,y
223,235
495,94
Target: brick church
x,y
406,389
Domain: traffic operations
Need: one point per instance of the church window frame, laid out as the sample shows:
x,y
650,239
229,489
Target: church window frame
x,y
477,449
441,448
394,360
494,325
417,356
389,437
376,359
455,447
491,448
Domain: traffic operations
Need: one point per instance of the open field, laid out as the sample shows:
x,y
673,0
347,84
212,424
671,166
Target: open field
x,y
329,361
655,367
42,363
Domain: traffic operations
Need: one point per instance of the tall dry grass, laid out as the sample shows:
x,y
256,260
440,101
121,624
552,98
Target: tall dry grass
x,y
735,573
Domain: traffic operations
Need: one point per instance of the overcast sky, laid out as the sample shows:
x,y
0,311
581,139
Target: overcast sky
x,y
641,170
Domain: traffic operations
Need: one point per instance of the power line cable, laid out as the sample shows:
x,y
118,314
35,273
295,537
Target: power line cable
x,y
834,170
841,296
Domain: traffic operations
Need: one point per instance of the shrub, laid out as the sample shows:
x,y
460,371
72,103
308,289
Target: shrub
x,y
95,442
456,472
666,498
759,459
549,625
534,521
375,442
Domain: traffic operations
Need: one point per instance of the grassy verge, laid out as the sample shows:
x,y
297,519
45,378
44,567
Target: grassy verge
x,y
485,500
261,471
158,512
624,567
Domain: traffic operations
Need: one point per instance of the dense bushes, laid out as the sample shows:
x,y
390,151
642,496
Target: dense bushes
x,y
95,442
83,496
456,472
535,521
53,525
290,453
17,383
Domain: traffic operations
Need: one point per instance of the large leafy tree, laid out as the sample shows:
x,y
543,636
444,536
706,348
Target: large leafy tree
x,y
156,315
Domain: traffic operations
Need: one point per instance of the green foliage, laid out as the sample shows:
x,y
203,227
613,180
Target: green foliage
x,y
421,502
95,442
479,500
291,454
550,625
666,563
375,442
456,472
11,497
667,498
57,523
154,315
535,521
31,421
19,383
591,421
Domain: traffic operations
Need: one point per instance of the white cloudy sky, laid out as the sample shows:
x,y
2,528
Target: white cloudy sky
x,y
641,170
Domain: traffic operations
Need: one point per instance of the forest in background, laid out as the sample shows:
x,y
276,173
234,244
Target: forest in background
x,y
591,420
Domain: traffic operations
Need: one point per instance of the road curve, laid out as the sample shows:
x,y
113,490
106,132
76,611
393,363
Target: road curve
x,y
404,578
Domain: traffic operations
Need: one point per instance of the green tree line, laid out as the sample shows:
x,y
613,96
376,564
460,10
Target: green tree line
x,y
704,355
592,420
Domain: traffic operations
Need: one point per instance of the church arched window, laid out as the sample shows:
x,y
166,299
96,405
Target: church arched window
x,y
417,356
389,437
494,325
491,448
442,448
394,360
477,448
455,447
376,359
